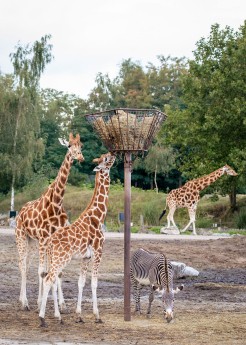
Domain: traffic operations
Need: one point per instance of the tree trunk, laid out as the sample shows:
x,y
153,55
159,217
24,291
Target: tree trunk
x,y
155,175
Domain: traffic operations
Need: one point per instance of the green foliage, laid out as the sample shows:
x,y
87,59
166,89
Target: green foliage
x,y
241,219
214,94
214,197
151,213
204,223
20,142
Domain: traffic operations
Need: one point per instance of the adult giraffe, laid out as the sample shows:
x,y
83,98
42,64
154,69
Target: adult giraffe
x,y
85,238
38,219
188,196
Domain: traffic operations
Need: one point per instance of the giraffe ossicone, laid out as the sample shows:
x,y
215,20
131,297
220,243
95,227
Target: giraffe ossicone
x,y
39,218
188,196
83,237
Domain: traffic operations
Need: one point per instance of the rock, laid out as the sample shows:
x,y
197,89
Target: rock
x,y
170,231
181,270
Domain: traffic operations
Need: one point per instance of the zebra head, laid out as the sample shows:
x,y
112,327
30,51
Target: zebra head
x,y
168,301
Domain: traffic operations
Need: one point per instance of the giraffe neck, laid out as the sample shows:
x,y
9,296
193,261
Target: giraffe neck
x,y
99,201
207,180
59,185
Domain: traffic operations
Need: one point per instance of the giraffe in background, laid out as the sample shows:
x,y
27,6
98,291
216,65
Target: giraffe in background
x,y
85,238
39,218
188,196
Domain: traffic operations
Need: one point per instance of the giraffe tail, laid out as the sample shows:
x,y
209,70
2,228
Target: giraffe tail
x,y
162,214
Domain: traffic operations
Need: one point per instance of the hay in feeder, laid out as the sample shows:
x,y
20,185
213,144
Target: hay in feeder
x,y
124,130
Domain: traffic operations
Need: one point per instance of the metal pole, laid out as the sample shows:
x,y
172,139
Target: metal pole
x,y
127,236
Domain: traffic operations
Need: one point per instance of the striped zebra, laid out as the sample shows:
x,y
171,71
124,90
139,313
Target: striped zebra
x,y
154,270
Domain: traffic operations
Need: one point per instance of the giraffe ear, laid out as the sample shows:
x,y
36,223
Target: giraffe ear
x,y
97,168
63,142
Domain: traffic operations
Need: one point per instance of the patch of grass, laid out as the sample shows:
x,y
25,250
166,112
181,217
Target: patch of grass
x,y
146,203
237,232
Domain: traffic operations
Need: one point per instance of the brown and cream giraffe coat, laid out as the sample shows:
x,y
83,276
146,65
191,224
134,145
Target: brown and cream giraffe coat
x,y
38,219
188,196
83,238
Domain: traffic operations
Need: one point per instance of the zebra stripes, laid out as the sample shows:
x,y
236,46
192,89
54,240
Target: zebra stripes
x,y
154,270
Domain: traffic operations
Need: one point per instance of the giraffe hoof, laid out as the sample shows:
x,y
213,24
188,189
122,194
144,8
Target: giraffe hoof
x,y
26,308
61,322
98,321
43,323
79,320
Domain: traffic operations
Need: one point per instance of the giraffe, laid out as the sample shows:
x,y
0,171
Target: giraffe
x,y
39,218
85,238
188,196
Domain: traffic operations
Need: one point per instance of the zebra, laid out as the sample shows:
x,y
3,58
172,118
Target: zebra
x,y
154,270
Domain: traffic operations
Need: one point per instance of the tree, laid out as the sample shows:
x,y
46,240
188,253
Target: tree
x,y
22,111
159,160
211,131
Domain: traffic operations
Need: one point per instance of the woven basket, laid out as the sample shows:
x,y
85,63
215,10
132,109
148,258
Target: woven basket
x,y
127,129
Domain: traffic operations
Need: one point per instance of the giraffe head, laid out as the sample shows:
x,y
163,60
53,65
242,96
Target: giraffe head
x,y
74,146
105,162
228,170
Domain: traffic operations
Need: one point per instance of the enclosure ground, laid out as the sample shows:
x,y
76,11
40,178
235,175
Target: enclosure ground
x,y
210,310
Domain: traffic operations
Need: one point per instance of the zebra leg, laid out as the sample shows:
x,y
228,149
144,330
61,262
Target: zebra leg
x,y
151,299
136,292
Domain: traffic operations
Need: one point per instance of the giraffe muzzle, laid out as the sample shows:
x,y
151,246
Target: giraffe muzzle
x,y
81,158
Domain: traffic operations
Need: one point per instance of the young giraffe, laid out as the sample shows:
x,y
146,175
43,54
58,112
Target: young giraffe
x,y
188,196
39,218
85,238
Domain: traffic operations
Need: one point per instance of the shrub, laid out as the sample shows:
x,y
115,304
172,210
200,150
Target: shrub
x,y
241,219
151,214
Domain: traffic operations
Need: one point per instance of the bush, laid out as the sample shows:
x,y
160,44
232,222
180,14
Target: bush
x,y
241,219
204,223
151,214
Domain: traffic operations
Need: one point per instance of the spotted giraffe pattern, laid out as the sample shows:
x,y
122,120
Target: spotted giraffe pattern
x,y
188,196
84,238
38,219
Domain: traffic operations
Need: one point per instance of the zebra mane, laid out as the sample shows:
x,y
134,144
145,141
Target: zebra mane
x,y
166,271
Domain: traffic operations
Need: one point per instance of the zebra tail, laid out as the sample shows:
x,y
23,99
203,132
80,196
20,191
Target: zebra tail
x,y
163,212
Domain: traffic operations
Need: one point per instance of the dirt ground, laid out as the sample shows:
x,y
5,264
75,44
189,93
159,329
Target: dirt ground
x,y
210,310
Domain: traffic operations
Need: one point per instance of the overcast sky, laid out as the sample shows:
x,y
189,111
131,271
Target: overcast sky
x,y
91,36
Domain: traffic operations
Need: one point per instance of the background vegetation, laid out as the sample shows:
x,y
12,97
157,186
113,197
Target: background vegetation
x,y
204,98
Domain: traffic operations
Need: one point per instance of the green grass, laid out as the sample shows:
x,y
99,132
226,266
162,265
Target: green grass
x,y
147,203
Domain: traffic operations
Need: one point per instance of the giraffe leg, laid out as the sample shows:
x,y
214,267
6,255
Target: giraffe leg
x,y
170,217
62,303
55,298
46,291
192,215
22,247
81,284
47,284
94,279
41,274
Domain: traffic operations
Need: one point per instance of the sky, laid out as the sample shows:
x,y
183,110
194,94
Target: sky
x,y
92,36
